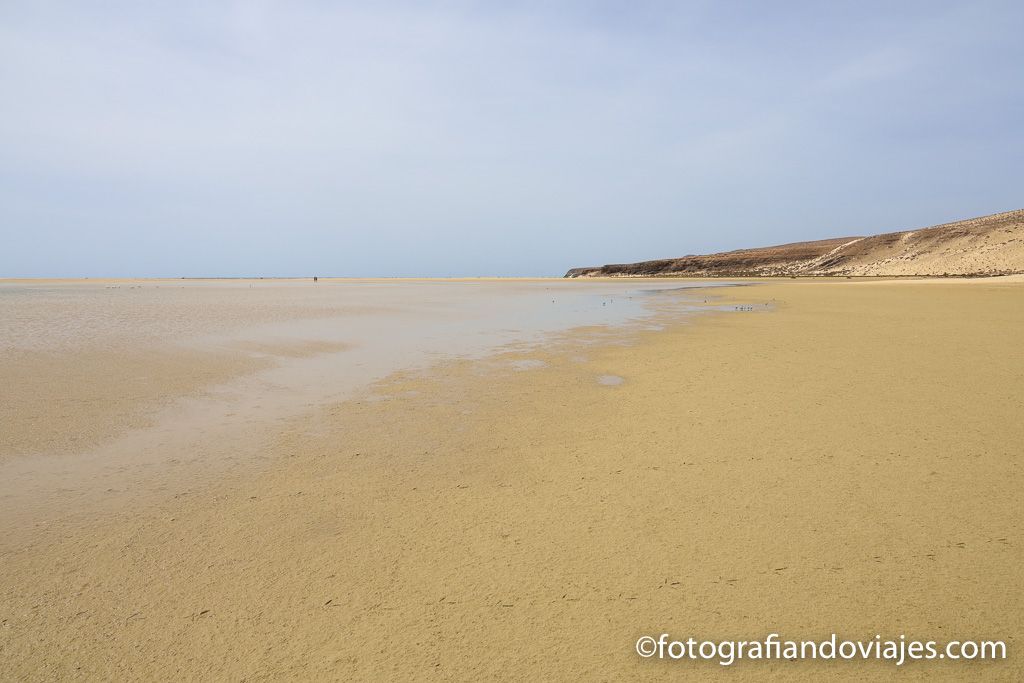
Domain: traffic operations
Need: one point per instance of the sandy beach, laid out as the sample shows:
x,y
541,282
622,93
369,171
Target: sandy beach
x,y
803,457
486,341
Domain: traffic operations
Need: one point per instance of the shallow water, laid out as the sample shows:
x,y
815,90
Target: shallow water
x,y
70,314
324,343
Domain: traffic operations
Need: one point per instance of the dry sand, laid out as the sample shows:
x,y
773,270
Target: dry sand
x,y
845,460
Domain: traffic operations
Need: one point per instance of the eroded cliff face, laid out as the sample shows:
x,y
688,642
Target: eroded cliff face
x,y
989,245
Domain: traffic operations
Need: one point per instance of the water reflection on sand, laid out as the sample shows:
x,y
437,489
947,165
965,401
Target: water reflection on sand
x,y
289,346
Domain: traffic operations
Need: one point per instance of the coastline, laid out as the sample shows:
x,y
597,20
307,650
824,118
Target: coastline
x,y
516,504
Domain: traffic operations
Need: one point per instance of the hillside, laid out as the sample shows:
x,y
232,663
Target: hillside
x,y
989,245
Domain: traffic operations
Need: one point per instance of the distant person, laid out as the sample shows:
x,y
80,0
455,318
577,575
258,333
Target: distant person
x,y
314,278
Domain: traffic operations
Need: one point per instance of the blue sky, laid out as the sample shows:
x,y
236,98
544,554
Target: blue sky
x,y
460,138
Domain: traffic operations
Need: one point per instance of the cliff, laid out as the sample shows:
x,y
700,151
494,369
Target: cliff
x,y
989,245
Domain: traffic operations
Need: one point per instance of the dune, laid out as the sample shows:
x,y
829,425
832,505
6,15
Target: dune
x,y
985,246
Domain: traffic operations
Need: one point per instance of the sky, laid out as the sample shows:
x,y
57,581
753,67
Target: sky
x,y
490,138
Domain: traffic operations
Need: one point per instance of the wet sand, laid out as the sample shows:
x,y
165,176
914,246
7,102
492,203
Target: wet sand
x,y
114,389
842,457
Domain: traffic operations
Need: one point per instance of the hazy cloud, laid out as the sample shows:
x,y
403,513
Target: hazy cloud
x,y
475,138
